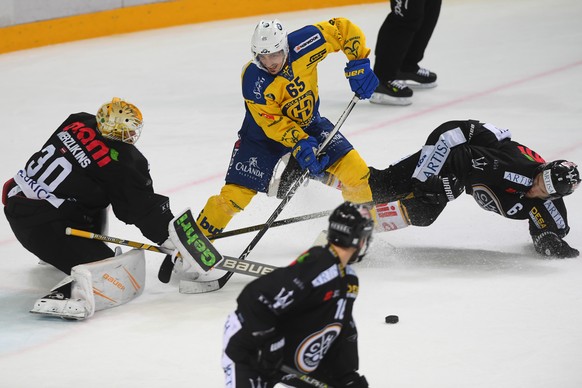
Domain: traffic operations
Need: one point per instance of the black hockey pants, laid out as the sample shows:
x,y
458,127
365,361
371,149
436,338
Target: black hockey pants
x,y
40,228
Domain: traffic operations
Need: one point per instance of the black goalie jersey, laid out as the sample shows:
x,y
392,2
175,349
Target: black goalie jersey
x,y
78,171
310,303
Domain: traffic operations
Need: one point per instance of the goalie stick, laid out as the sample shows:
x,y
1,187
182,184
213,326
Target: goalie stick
x,y
225,263
165,271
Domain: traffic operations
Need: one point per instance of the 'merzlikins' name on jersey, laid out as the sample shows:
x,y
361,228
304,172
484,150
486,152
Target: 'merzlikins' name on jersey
x,y
74,149
86,136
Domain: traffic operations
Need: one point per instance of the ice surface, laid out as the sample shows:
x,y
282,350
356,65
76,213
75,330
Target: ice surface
x,y
477,307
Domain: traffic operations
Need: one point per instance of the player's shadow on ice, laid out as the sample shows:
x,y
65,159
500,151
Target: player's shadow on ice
x,y
453,259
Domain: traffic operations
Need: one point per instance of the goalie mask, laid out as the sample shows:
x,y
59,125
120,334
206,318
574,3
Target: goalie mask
x,y
120,120
351,226
560,178
269,43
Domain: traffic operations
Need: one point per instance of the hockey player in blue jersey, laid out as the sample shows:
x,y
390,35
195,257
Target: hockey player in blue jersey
x,y
282,115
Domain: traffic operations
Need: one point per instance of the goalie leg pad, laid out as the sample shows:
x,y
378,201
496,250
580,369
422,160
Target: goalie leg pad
x,y
114,281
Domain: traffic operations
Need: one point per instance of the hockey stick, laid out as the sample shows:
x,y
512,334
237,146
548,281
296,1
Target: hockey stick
x,y
286,221
300,180
165,271
304,377
227,263
214,285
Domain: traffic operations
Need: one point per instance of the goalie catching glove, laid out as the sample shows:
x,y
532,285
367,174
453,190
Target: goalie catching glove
x,y
551,245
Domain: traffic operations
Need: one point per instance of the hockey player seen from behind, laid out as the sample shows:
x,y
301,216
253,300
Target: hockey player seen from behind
x,y
300,316
87,164
502,175
282,115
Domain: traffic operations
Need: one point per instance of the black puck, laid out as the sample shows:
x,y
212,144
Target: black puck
x,y
391,319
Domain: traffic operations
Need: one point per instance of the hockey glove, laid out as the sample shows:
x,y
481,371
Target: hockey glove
x,y
551,245
270,355
304,152
354,380
437,190
362,79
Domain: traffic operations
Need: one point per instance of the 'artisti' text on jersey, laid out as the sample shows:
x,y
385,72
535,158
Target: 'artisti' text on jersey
x,y
281,106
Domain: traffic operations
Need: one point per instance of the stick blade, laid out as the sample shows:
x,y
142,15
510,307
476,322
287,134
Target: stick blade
x,y
193,287
166,269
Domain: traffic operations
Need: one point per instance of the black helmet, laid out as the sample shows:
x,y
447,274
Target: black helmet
x,y
560,177
349,225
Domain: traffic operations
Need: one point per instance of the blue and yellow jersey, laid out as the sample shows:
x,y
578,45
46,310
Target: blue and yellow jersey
x,y
280,107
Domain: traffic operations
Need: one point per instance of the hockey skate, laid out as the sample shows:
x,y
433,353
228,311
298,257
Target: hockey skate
x,y
57,305
392,93
72,298
421,79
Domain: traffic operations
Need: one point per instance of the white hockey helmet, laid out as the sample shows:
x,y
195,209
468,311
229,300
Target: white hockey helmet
x,y
269,37
120,120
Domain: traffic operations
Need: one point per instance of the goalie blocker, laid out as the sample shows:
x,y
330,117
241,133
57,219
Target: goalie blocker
x,y
198,254
195,249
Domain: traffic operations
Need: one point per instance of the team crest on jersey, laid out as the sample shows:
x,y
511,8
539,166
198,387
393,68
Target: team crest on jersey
x,y
301,109
487,199
312,350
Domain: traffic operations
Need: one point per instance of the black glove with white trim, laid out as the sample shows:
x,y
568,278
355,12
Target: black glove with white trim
x,y
550,244
270,355
354,380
